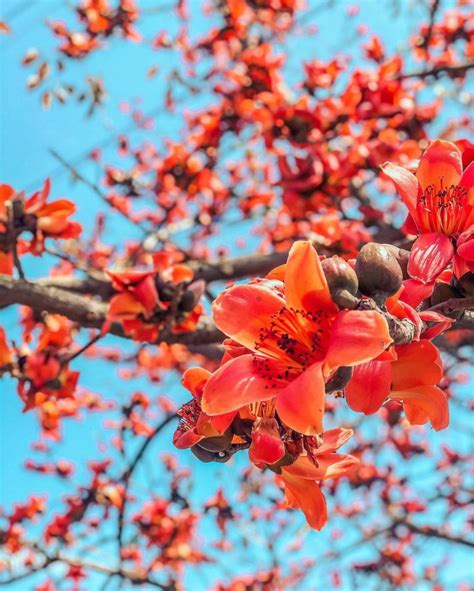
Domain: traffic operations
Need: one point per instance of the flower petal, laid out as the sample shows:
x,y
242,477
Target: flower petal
x,y
430,255
436,322
237,383
5,353
194,379
301,404
423,403
407,186
222,422
305,283
414,292
307,496
418,364
6,263
369,386
467,181
334,439
242,311
331,465
356,337
441,164
466,250
183,439
124,305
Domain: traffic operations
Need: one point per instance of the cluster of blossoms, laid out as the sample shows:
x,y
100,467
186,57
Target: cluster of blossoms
x,y
100,20
149,301
325,144
313,327
33,215
41,366
43,372
289,345
170,532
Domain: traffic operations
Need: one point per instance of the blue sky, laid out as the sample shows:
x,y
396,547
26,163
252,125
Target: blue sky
x,y
28,132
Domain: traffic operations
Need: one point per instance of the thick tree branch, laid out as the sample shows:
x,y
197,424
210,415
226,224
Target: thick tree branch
x,y
221,270
88,312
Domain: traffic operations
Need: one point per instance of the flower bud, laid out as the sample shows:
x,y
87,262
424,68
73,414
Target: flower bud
x,y
342,281
202,454
191,296
402,256
379,273
242,427
219,443
187,302
267,446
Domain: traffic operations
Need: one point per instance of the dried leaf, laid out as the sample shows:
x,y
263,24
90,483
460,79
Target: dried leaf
x,y
4,28
43,71
152,72
33,81
47,99
30,56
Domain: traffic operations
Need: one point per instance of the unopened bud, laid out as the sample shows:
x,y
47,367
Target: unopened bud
x,y
242,427
402,256
379,273
342,281
192,295
216,443
202,454
187,301
210,456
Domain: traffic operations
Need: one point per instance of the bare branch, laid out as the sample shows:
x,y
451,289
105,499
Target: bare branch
x,y
433,532
453,71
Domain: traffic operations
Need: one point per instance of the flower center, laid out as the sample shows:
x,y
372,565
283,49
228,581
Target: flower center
x,y
443,209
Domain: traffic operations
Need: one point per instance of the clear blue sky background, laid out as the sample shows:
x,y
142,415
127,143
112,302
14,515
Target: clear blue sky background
x,y
27,132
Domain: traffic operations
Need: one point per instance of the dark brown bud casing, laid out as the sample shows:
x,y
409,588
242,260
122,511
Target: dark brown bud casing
x,y
342,281
378,271
402,256
217,443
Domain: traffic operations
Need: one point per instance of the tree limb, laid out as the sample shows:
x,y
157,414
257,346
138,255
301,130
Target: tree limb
x,y
88,312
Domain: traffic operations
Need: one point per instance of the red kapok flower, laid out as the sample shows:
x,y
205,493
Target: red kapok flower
x,y
42,219
294,338
440,200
